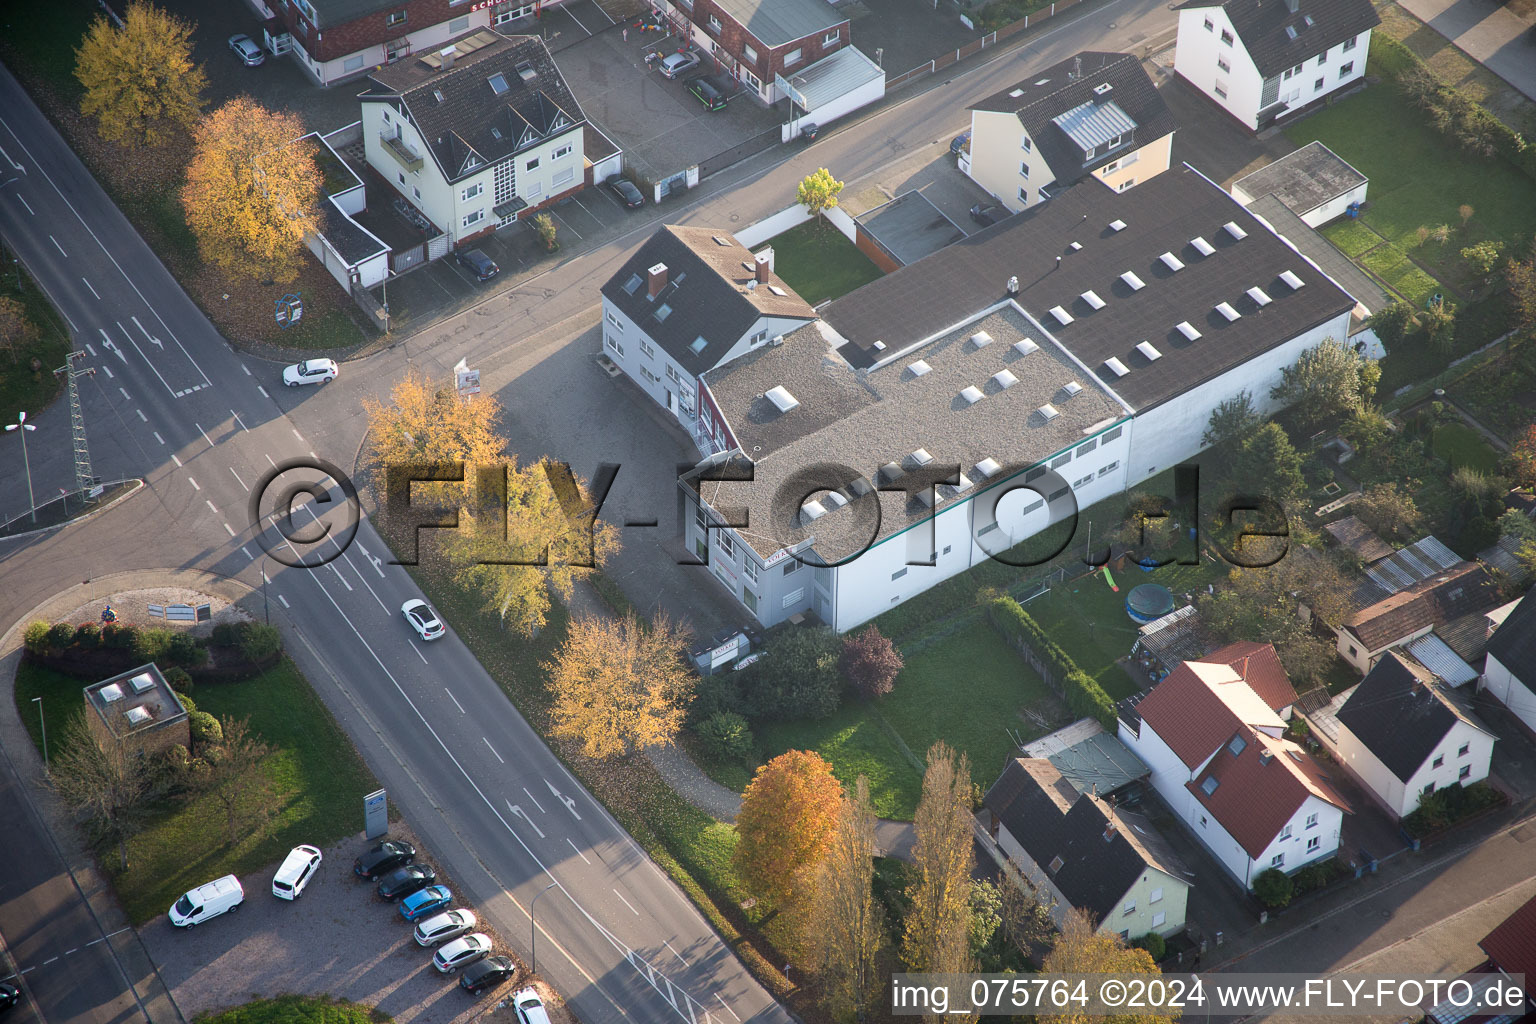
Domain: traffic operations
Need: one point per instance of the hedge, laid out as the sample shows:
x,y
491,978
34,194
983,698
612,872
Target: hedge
x,y
123,647
1084,696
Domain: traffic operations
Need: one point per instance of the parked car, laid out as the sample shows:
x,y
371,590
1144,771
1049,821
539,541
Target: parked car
x,y
401,882
462,952
220,896
447,925
488,973
674,64
986,216
311,371
530,1008
707,92
384,858
626,192
296,871
959,142
422,619
423,902
246,49
10,995
478,263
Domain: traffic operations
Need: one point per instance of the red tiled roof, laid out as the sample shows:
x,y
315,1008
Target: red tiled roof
x,y
1261,788
1260,668
1462,589
1187,715
1512,945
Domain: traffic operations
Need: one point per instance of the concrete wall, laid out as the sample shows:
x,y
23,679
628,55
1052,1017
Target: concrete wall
x,y
1199,51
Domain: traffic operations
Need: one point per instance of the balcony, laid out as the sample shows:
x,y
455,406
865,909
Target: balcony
x,y
404,155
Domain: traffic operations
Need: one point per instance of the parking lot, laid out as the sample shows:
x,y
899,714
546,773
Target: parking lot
x,y
339,939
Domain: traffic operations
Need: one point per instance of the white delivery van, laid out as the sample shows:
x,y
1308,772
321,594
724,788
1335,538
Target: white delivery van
x,y
220,896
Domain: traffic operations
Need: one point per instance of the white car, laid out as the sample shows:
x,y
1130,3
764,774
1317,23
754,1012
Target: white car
x,y
674,64
530,1008
462,952
220,896
297,869
450,924
311,371
422,619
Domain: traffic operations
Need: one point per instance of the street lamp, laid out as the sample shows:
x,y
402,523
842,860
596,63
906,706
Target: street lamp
x,y
42,722
22,425
533,932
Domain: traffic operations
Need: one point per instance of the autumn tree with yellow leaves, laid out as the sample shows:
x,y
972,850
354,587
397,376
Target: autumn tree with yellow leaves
x,y
252,190
786,824
141,84
1083,949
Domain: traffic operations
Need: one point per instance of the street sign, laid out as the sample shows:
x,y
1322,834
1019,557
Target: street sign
x,y
376,814
465,379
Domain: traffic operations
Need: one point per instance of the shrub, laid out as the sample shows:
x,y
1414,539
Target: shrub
x,y
870,663
1313,877
88,635
153,644
716,694
260,643
185,650
1154,944
726,735
186,702
1083,694
797,676
119,636
1445,807
226,634
205,729
61,636
35,639
179,679
1274,888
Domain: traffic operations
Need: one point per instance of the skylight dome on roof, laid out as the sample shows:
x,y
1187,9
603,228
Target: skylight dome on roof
x,y
137,716
1292,280
781,398
1203,247
1004,379
981,339
1116,367
972,395
963,484
812,510
1188,330
1048,412
918,368
1061,315
920,457
1171,261
1146,348
111,693
1092,298
1257,295
1235,230
1015,93
834,500
142,682
1072,388
1226,310
1135,283
1025,347
988,467
1117,225
892,471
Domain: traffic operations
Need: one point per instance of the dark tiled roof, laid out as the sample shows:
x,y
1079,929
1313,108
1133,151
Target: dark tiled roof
x,y
1434,601
1311,244
1319,25
331,13
472,118
1261,787
1400,714
1512,945
1161,215
1102,853
1260,668
1359,538
706,291
1068,85
1514,642
780,22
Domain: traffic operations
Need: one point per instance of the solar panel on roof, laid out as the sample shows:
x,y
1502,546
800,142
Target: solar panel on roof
x,y
1203,247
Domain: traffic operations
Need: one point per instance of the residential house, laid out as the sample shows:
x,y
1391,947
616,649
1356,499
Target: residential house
x,y
687,301
1096,114
1404,734
1220,760
756,41
1511,949
477,135
1509,674
1260,61
1078,851
339,40
1413,612
138,709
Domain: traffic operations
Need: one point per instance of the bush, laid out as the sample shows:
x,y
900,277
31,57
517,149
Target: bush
x,y
1154,944
726,735
797,676
153,644
226,634
1084,696
1445,807
260,643
88,635
179,679
716,694
119,637
870,663
1274,888
185,650
205,729
1314,876
61,636
35,639
186,702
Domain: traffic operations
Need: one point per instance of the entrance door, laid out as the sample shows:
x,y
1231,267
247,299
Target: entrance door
x,y
671,402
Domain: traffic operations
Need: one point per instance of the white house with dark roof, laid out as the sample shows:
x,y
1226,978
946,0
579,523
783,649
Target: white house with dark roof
x,y
1509,674
1261,60
1093,114
476,135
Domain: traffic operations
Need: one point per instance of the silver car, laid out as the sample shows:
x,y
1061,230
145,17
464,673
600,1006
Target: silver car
x,y
674,64
246,49
450,924
462,952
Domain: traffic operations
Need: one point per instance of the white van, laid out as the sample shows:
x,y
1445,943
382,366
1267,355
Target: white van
x,y
297,869
220,896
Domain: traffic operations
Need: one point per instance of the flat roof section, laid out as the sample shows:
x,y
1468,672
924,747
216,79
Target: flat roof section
x,y
910,227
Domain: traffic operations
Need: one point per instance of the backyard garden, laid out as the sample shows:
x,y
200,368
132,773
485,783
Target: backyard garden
x,y
818,261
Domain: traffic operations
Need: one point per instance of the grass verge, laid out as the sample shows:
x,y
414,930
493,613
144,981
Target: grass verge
x,y
818,262
23,389
299,1010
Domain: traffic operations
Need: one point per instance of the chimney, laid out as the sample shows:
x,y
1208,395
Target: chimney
x,y
657,279
1265,757
1109,832
1291,5
763,268
447,55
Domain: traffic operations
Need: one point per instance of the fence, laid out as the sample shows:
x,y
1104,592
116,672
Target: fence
x,y
753,146
976,46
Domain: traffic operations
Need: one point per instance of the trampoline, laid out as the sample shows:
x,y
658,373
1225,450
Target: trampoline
x,y
1147,602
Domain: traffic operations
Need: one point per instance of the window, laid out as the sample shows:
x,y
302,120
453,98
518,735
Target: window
x,y
832,38
1226,37
1437,762
748,54
396,18
758,338
1285,833
1277,861
1463,751
1056,863
1428,789
1222,65
1105,471
726,545
1061,460
749,568
533,165
1312,820
1033,506
650,353
1125,936
986,529
1322,58
899,573
1238,745
354,63
648,375
386,116
615,321
792,566
1209,785
562,152
458,24
1202,821
1158,919
749,599
1130,908
1156,896
1026,145
1056,495
1210,26
751,79
792,57
1127,183
470,191
1111,435
474,218
1317,86
1084,481
1349,44
1023,170
1352,651
1465,771
401,176
1313,843
416,190
613,343
714,23
948,548
1347,70
1221,89
791,597
1023,196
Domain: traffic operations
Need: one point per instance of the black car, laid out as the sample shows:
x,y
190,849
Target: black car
x,y
487,973
707,92
478,263
401,882
384,858
10,995
986,216
626,192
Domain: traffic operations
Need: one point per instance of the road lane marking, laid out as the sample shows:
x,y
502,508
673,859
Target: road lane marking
x,y
125,392
578,851
45,963
493,750
14,165
675,953
373,561
247,369
59,247
339,576
263,391
110,374
26,204
283,599
147,336
106,342
570,804
296,433
240,421
518,812
228,530
247,553
269,460
153,368
194,484
237,477
174,458
93,291
141,415
200,430
535,801
626,902
210,505
415,648
727,1008
157,436
455,701
90,350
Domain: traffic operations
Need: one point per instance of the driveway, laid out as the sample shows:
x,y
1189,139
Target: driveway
x,y
1209,138
931,171
1500,36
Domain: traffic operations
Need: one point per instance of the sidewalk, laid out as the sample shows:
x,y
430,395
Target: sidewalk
x,y
1490,33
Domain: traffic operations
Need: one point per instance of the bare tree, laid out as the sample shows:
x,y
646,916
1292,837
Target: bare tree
x,y
111,785
937,934
844,923
237,778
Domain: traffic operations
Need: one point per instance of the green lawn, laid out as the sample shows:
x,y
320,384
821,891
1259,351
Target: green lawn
x,y
854,743
314,766
22,389
1460,445
816,260
43,37
299,1010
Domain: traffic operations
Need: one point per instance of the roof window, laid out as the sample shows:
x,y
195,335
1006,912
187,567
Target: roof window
x,y
1188,330
1232,228
1172,262
981,339
1257,295
1146,349
1092,298
1292,280
498,83
780,397
1072,388
1226,310
1117,225
1203,247
918,368
1135,283
1048,412
1061,315
1116,367
1004,379
971,395
988,468
1025,347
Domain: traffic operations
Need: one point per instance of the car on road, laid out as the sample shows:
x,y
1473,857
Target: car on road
x,y
401,882
448,925
530,1008
422,619
674,64
462,952
10,995
384,858
297,869
311,371
478,263
626,192
488,973
708,92
246,49
958,143
206,902
986,216
423,902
